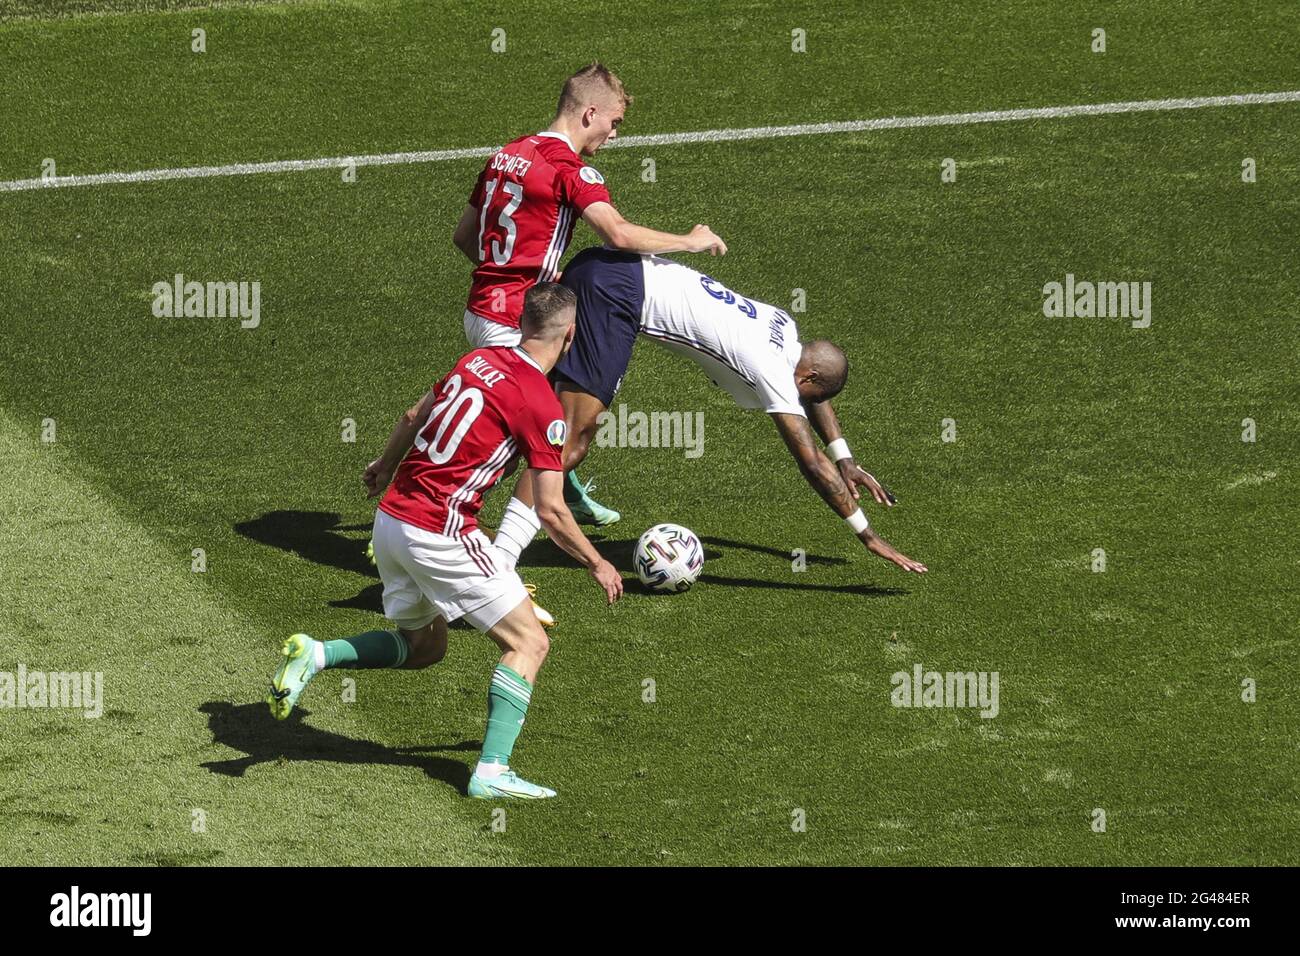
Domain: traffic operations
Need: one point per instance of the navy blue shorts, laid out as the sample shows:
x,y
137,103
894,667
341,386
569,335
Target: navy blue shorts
x,y
610,287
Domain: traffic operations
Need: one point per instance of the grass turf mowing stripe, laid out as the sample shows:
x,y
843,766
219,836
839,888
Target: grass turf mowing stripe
x,y
665,139
184,737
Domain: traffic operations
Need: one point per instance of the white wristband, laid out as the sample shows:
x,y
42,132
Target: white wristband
x,y
838,450
858,522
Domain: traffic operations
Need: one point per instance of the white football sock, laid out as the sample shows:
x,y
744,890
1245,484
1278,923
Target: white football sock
x,y
519,525
489,771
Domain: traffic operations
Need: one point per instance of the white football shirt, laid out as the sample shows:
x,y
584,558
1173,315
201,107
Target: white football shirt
x,y
748,348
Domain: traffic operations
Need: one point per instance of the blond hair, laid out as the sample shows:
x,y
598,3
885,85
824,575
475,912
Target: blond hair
x,y
589,84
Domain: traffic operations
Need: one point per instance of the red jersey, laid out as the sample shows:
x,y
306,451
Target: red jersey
x,y
529,197
496,403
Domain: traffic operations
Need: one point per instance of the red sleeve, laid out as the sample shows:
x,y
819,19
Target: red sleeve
x,y
539,430
582,185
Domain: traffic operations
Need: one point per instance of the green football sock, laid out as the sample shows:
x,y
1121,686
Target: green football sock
x,y
508,697
573,490
369,650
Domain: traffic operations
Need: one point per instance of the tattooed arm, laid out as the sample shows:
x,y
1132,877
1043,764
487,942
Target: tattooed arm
x,y
823,419
814,465
827,481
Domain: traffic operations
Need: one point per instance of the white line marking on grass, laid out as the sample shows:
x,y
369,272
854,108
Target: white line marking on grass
x,y
666,139
1250,480
247,169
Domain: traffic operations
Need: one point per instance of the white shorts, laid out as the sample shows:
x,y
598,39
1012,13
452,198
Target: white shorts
x,y
428,575
485,334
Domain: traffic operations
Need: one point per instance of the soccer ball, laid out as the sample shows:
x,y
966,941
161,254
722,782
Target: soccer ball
x,y
669,558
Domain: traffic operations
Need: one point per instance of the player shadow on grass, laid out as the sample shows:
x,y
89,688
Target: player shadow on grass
x,y
547,554
317,536
320,537
250,728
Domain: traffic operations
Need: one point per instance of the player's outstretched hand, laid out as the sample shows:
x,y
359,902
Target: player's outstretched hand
x,y
607,577
704,239
376,478
878,545
854,475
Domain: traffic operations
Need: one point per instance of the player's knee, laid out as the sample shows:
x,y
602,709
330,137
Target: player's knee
x,y
434,651
426,648
519,632
419,658
536,645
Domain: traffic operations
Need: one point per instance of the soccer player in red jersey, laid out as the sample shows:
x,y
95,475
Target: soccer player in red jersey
x,y
520,218
444,454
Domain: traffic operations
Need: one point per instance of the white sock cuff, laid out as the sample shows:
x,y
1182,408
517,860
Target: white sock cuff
x,y
522,512
519,525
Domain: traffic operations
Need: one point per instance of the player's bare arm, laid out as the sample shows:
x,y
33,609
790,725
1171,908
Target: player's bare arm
x,y
466,235
827,481
379,473
815,466
554,514
617,233
827,425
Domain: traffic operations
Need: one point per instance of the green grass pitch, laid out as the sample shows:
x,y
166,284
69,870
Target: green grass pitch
x,y
1120,691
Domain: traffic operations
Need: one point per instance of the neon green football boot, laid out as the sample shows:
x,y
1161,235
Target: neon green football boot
x,y
506,785
295,673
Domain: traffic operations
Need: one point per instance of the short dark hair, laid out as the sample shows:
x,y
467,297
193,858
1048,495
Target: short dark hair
x,y
544,306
